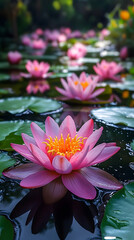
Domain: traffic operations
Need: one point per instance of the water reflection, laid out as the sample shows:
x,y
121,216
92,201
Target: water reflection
x,y
63,212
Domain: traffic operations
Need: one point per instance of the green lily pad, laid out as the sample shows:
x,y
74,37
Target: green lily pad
x,y
5,162
116,115
35,104
4,77
127,84
11,132
6,229
118,220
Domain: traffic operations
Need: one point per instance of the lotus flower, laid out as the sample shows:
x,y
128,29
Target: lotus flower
x,y
77,51
124,53
81,88
38,44
36,69
104,33
25,39
14,57
37,86
63,158
108,70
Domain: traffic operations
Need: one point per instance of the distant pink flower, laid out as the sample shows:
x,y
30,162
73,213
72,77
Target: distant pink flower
x,y
108,70
124,53
75,34
62,38
39,31
37,86
51,35
63,154
78,50
38,44
80,88
25,39
104,33
14,57
36,69
90,34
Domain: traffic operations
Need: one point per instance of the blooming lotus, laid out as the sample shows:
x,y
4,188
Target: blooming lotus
x,y
14,57
80,88
77,51
108,70
104,33
38,44
36,69
37,86
63,159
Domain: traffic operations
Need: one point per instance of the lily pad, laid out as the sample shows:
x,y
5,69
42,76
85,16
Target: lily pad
x,y
118,220
127,84
4,77
11,132
6,229
115,115
35,104
5,162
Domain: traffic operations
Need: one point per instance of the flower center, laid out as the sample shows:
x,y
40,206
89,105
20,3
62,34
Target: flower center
x,y
83,84
36,68
64,147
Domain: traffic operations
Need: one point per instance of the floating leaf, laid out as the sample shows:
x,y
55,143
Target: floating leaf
x,y
116,115
35,104
4,77
6,229
5,162
118,220
10,132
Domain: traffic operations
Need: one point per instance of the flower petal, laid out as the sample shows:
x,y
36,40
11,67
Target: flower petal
x,y
92,154
51,127
41,157
87,129
100,178
106,153
61,165
78,158
28,140
39,135
78,185
53,191
93,138
22,171
23,150
68,127
39,179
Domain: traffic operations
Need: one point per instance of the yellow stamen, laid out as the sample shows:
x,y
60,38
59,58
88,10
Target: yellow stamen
x,y
83,84
36,68
64,147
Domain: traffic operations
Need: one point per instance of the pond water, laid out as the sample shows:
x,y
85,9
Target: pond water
x,y
71,217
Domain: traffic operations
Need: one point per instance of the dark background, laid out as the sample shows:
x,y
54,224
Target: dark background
x,y
19,16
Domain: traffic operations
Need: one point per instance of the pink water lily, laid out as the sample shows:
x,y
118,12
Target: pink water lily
x,y
78,50
108,70
14,57
38,44
80,88
36,69
61,153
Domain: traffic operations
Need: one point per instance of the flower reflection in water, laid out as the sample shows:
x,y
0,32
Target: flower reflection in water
x,y
63,212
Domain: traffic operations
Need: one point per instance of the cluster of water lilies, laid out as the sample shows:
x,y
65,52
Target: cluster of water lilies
x,y
62,158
